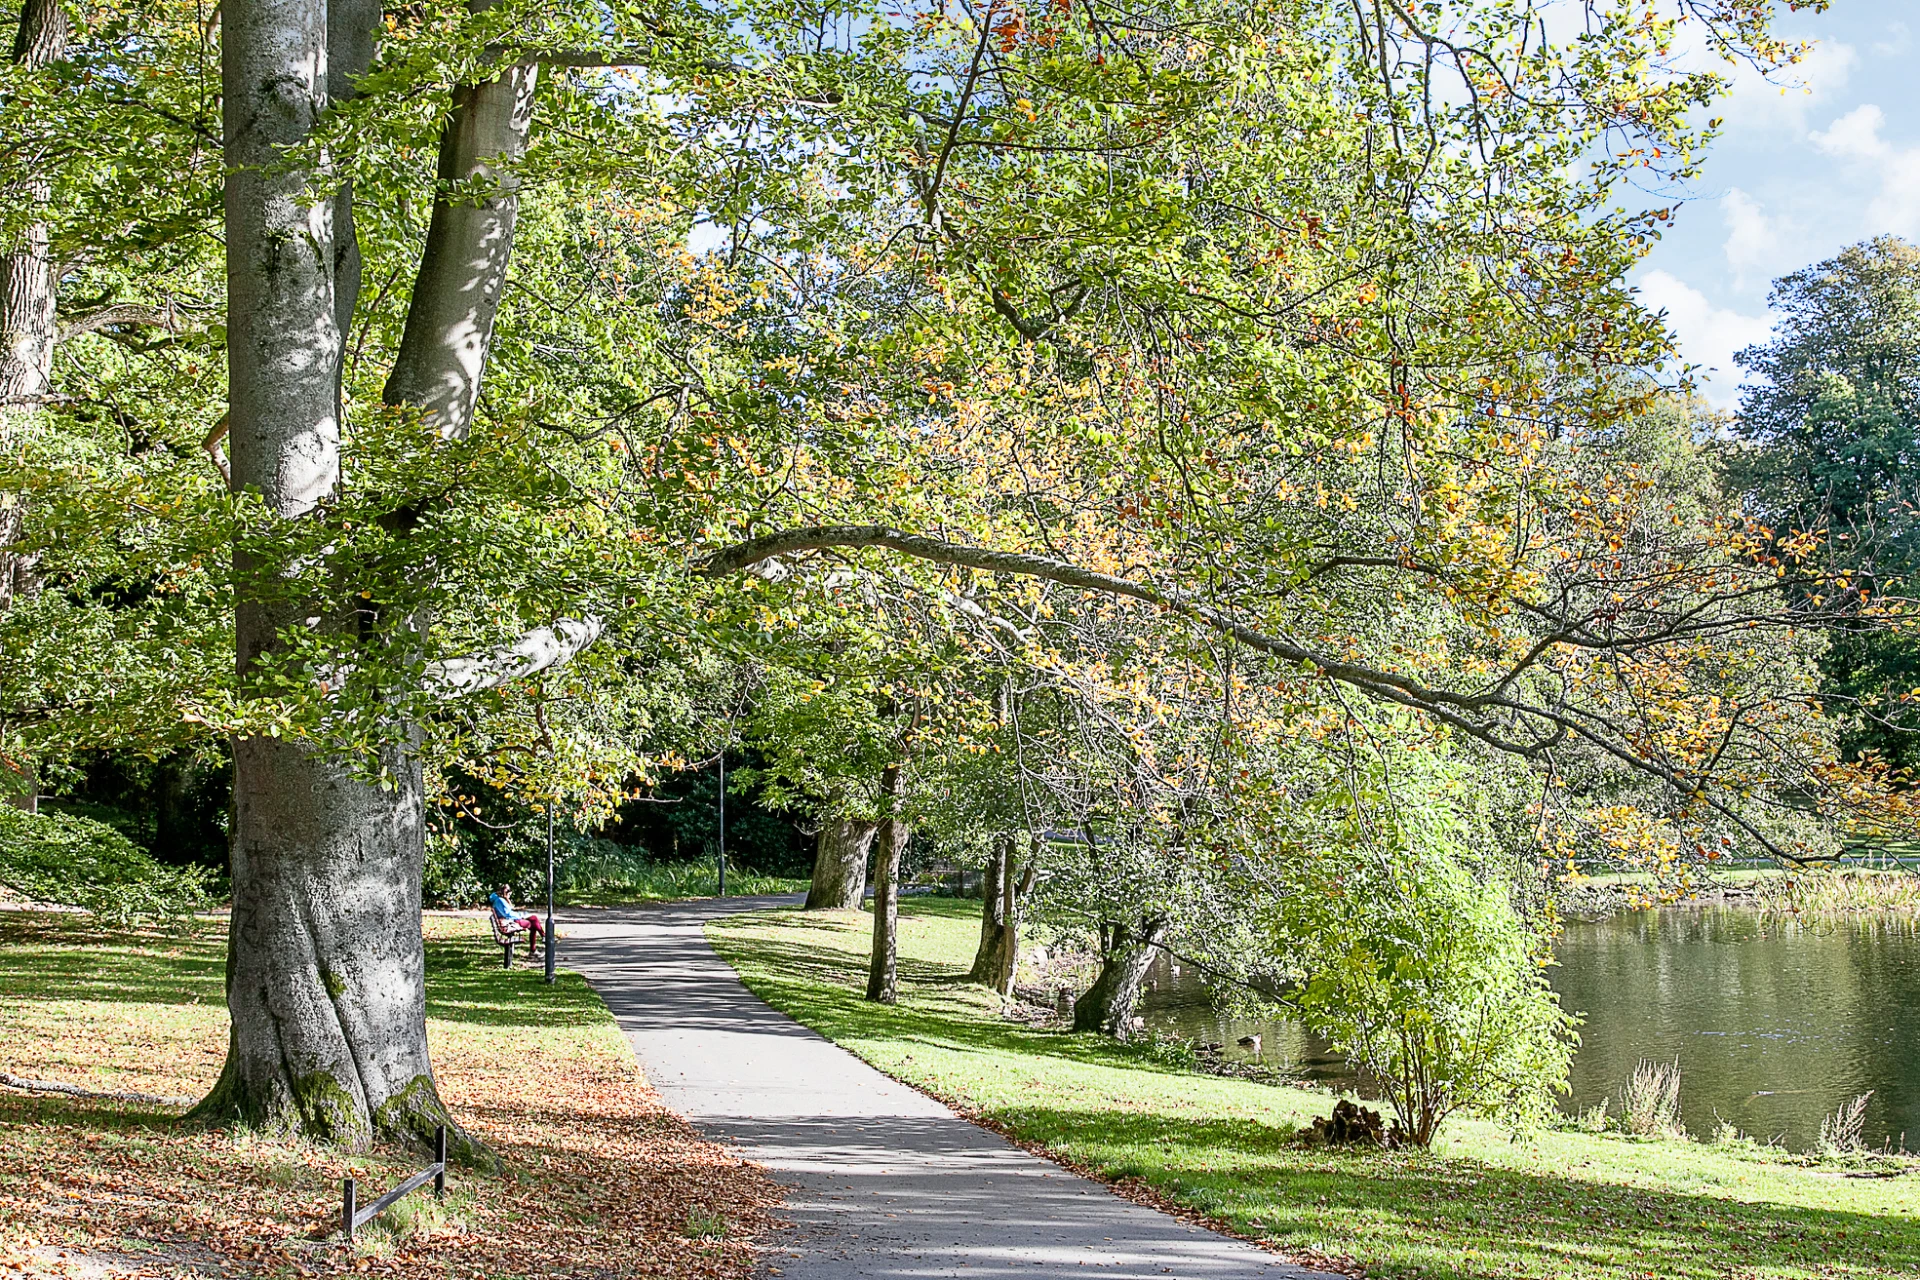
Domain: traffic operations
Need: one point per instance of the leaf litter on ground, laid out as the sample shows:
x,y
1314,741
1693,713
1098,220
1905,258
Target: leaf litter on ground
x,y
598,1178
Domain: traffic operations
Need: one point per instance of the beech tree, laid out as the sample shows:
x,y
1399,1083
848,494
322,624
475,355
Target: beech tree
x,y
344,594
1281,324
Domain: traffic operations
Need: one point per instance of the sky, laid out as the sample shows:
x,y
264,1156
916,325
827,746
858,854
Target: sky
x,y
1827,156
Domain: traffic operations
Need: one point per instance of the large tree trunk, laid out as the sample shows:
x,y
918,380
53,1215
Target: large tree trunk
x,y
27,330
883,969
1003,893
1107,1006
325,963
840,864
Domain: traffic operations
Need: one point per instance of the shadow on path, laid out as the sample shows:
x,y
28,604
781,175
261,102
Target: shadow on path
x,y
882,1181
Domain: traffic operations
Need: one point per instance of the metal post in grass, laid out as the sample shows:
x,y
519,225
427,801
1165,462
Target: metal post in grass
x,y
549,933
353,1217
723,820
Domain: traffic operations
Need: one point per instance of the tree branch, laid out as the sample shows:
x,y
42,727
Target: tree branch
x,y
127,313
1477,715
538,650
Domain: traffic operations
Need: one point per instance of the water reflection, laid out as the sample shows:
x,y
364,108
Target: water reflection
x,y
1775,1023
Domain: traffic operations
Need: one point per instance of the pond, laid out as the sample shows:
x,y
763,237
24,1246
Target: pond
x,y
1775,1023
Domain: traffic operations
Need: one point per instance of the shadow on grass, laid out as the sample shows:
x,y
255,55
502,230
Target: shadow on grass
x,y
465,983
1407,1211
823,986
59,957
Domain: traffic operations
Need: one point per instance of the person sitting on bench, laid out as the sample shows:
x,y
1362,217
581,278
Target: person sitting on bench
x,y
503,912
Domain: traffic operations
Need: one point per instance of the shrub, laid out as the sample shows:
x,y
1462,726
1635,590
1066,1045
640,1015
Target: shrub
x,y
74,861
1650,1103
1426,979
1841,1132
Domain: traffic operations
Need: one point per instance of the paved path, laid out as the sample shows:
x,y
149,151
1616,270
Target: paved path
x,y
881,1180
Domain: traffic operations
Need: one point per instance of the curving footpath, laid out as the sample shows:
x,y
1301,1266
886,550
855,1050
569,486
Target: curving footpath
x,y
881,1180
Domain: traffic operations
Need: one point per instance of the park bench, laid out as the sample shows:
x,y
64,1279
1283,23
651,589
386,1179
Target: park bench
x,y
507,934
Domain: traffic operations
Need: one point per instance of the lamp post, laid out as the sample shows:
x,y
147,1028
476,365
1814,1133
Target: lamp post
x,y
723,822
549,932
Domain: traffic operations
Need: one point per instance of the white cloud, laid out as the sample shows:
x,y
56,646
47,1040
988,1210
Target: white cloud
x,y
1899,40
1753,239
1708,335
1855,136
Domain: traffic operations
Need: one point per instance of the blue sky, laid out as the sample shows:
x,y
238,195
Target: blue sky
x,y
1827,156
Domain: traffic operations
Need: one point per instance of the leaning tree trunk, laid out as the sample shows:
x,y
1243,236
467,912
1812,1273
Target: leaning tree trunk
x,y
883,969
1107,1006
27,318
1002,893
840,864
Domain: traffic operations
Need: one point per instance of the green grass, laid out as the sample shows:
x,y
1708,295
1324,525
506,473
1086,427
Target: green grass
x,y
632,882
1559,1204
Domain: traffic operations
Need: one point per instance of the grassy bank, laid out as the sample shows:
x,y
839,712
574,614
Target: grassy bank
x,y
1817,891
594,1167
1570,1205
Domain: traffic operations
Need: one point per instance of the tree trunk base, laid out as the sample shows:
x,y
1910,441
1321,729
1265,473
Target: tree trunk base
x,y
840,865
1107,1006
323,1109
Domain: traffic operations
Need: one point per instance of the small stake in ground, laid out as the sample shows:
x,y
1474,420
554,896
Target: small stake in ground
x,y
352,1218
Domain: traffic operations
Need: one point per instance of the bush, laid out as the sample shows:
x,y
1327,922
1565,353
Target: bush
x,y
1438,992
74,861
1413,960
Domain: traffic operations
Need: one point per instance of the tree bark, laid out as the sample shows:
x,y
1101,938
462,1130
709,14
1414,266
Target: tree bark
x,y
449,330
325,963
27,298
1107,1006
1003,894
27,336
353,28
840,864
883,969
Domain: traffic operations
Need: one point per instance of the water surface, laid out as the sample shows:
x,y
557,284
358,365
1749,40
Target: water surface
x,y
1776,1023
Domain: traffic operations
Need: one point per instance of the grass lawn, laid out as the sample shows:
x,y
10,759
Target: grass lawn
x,y
673,882
1483,1203
598,1177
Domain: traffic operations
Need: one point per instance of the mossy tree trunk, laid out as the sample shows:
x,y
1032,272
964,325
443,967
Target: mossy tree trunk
x,y
1126,952
325,962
